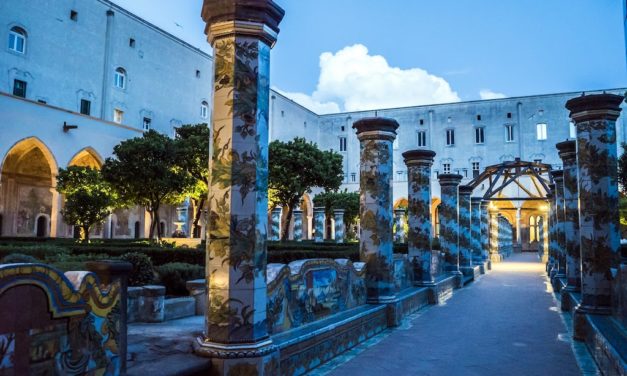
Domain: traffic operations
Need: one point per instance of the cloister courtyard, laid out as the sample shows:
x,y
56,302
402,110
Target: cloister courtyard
x,y
228,247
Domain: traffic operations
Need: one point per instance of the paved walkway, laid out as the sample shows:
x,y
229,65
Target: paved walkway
x,y
506,323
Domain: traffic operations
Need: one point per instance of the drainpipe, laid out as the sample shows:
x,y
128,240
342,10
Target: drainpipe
x,y
106,68
518,114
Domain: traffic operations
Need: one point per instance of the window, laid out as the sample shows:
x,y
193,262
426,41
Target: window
x,y
537,161
19,88
118,116
353,176
197,73
422,139
450,137
342,143
131,43
422,122
541,130
282,113
479,135
509,115
475,169
479,117
17,40
85,107
342,128
147,123
572,130
119,79
42,101
74,15
204,109
446,167
509,133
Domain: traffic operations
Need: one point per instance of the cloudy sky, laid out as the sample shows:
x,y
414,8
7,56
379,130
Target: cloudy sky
x,y
347,55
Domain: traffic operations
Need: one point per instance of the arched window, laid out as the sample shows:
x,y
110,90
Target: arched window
x,y
532,229
120,78
204,109
17,40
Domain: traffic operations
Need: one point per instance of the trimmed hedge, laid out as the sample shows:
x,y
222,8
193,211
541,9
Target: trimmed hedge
x,y
175,275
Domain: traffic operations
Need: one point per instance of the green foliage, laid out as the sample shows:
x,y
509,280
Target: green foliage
x,y
69,266
622,170
147,171
174,276
18,258
143,272
349,201
89,199
295,167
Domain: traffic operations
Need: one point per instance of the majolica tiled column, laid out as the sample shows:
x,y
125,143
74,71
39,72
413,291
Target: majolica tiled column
x,y
465,226
553,261
494,237
419,164
485,230
595,118
558,193
475,227
449,220
375,205
541,249
399,224
338,216
568,154
236,334
275,225
298,224
319,219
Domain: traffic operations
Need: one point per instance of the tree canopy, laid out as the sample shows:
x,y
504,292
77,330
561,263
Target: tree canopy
x,y
349,201
622,170
148,171
89,199
295,167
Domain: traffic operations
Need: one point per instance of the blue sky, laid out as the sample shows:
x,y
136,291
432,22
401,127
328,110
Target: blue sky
x,y
408,52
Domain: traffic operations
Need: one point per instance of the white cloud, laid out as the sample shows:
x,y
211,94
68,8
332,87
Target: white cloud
x,y
351,79
308,102
489,94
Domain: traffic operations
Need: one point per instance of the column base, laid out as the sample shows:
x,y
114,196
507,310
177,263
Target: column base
x,y
580,321
382,299
459,278
261,358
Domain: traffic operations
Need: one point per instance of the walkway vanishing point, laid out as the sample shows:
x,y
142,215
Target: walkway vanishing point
x,y
506,323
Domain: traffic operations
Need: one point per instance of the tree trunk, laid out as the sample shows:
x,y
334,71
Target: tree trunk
x,y
158,224
85,234
199,208
151,233
288,221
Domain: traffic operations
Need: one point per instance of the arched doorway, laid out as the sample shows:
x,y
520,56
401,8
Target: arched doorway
x,y
136,233
28,178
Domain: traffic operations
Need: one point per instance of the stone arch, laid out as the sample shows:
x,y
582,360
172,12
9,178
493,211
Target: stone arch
x,y
307,208
435,203
27,188
87,157
401,203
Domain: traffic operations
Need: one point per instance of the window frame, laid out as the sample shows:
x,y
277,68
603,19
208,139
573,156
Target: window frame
x,y
446,168
17,33
22,91
118,116
204,109
421,138
541,131
88,104
119,78
450,137
146,120
343,143
479,131
510,133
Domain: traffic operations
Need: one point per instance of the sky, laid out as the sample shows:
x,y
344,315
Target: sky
x,y
349,55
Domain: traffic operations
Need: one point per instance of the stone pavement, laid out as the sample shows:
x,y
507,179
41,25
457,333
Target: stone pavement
x,y
506,323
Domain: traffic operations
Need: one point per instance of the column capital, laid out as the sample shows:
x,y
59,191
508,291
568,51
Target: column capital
x,y
258,18
485,203
338,211
376,128
595,107
419,157
277,209
567,150
477,200
449,179
465,190
319,209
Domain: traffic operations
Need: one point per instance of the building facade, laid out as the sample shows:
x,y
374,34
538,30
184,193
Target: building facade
x,y
93,65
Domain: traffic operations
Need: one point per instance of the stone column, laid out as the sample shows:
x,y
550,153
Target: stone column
x,y
475,228
338,216
494,237
449,220
553,264
485,231
399,222
319,220
419,238
541,250
236,337
375,205
595,117
568,154
558,178
465,226
298,224
275,226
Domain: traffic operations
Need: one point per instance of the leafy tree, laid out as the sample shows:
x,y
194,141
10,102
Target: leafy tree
x,y
349,201
297,166
147,171
193,144
89,199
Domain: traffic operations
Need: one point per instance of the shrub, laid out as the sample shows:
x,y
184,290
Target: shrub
x,y
17,258
175,274
69,266
143,272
